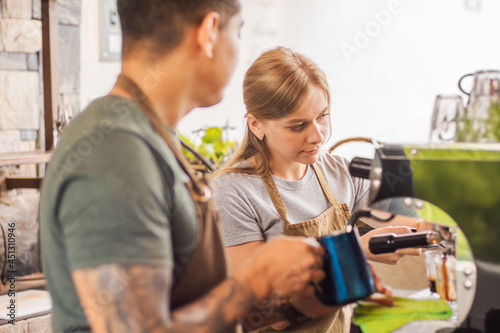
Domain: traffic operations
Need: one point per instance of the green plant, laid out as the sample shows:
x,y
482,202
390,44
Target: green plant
x,y
479,129
212,146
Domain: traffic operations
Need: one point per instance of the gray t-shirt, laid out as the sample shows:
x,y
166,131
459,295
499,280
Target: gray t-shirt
x,y
248,214
113,193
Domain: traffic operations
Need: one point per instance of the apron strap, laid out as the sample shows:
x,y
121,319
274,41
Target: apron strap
x,y
201,192
275,195
209,255
324,185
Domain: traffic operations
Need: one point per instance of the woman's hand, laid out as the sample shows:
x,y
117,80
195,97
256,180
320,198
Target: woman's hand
x,y
387,258
379,286
385,298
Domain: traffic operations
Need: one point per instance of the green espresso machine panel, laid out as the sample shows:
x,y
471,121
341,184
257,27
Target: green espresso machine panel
x,y
464,181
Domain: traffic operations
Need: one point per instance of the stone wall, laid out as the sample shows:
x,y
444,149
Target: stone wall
x,y
22,210
20,91
34,325
21,114
21,105
21,82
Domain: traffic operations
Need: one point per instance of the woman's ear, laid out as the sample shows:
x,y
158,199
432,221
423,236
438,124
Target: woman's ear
x,y
255,127
208,33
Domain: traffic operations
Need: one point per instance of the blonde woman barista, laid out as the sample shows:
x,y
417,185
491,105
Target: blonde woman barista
x,y
279,182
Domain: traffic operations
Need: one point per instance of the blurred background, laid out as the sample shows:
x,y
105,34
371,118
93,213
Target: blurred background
x,y
386,60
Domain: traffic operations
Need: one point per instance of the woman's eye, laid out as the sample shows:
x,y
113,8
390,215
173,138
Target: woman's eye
x,y
324,115
297,127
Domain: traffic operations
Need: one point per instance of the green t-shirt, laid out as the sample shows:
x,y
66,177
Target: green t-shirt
x,y
113,193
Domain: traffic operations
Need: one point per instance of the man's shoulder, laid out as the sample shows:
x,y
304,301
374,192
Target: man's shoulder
x,y
110,135
107,114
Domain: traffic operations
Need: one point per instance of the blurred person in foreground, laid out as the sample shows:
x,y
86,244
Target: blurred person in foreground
x,y
130,234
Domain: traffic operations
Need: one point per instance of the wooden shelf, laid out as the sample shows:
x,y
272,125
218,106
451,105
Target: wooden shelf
x,y
29,157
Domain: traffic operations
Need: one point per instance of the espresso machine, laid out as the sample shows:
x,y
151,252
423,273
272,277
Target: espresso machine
x,y
461,181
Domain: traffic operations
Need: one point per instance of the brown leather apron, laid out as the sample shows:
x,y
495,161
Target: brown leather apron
x,y
207,267
333,219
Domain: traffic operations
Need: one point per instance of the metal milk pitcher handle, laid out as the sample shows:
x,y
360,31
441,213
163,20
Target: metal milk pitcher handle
x,y
486,83
460,84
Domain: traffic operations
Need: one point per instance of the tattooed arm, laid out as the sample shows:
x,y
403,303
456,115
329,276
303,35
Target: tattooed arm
x,y
134,299
119,298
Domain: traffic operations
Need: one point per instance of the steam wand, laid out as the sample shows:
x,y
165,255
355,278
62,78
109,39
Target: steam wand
x,y
366,213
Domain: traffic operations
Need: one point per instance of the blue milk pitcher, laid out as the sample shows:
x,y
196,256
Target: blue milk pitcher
x,y
348,276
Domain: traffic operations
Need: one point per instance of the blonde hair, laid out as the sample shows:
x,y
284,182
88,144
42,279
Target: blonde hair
x,y
275,86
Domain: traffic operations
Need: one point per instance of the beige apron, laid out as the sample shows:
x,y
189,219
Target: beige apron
x,y
207,267
333,219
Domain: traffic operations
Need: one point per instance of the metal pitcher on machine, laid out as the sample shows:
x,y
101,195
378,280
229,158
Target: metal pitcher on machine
x,y
481,121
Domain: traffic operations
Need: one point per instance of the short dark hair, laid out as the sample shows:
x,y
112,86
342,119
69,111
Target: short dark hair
x,y
163,23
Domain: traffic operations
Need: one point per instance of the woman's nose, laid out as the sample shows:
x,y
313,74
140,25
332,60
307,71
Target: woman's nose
x,y
316,135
